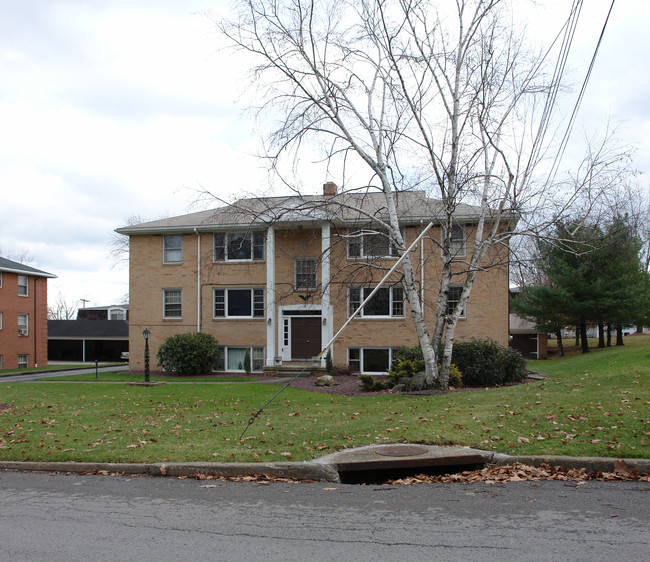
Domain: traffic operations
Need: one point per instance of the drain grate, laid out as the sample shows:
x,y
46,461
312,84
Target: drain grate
x,y
401,451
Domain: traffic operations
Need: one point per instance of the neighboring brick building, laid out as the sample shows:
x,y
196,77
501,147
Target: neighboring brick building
x,y
277,276
23,315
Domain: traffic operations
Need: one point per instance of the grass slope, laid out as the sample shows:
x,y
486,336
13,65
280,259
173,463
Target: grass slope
x,y
593,405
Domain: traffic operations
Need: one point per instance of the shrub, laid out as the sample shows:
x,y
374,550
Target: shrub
x,y
485,363
188,354
404,368
455,376
247,361
408,361
373,384
341,370
329,364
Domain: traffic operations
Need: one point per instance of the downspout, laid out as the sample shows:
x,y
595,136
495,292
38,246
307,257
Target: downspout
x,y
198,280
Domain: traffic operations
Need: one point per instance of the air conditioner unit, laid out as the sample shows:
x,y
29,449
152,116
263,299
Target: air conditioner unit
x,y
22,331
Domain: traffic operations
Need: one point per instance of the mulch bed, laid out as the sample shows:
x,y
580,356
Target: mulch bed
x,y
348,385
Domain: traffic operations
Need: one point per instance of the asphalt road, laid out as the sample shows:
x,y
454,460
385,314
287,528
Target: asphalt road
x,y
77,517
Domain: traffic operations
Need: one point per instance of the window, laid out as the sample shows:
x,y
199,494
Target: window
x,y
0,279
233,358
0,320
370,244
23,285
172,303
457,241
23,361
23,324
240,246
455,291
117,314
0,362
306,273
239,303
369,359
172,248
387,301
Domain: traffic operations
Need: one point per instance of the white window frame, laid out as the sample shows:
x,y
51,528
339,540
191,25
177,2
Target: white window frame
x,y
257,296
23,358
365,290
299,267
165,303
451,302
221,242
0,279
171,251
119,311
0,320
24,285
357,238
23,327
457,244
361,359
257,358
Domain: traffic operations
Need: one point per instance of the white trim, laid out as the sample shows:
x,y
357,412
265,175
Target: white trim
x,y
164,291
285,316
226,298
327,311
198,281
26,286
270,297
164,249
362,349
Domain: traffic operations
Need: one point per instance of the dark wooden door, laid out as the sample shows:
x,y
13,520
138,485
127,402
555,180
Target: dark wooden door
x,y
305,337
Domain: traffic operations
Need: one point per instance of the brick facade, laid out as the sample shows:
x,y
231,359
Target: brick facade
x,y
29,347
198,275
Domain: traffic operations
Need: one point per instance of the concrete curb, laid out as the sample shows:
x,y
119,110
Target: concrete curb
x,y
602,464
315,471
293,470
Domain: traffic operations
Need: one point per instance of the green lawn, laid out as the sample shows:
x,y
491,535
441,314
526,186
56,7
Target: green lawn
x,y
594,405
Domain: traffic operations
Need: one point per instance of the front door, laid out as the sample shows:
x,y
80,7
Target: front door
x,y
305,337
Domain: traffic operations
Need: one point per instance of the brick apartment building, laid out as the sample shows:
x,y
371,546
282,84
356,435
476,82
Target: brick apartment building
x,y
278,276
23,315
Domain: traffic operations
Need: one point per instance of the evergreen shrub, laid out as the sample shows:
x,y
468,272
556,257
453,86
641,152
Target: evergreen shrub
x,y
189,354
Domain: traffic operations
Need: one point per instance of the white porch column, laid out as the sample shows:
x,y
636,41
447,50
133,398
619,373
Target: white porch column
x,y
328,316
270,296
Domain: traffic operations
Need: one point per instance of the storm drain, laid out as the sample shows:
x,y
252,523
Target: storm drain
x,y
376,464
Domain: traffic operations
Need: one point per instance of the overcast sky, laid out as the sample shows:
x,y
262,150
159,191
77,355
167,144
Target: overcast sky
x,y
112,108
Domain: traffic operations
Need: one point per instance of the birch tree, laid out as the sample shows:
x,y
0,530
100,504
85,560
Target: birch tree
x,y
436,95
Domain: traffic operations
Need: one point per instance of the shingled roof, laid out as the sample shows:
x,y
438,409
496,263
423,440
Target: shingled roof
x,y
88,329
11,266
344,209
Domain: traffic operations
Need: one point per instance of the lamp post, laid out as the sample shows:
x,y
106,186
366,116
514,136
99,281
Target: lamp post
x,y
146,332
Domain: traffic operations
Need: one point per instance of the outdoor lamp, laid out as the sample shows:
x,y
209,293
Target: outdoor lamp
x,y
145,333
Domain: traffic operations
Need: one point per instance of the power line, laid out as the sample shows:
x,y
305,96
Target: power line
x,y
567,133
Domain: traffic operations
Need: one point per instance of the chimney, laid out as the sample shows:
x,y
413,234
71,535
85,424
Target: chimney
x,y
329,189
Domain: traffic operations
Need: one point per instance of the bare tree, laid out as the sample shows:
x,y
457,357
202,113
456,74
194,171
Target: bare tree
x,y
62,309
423,94
20,255
119,244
